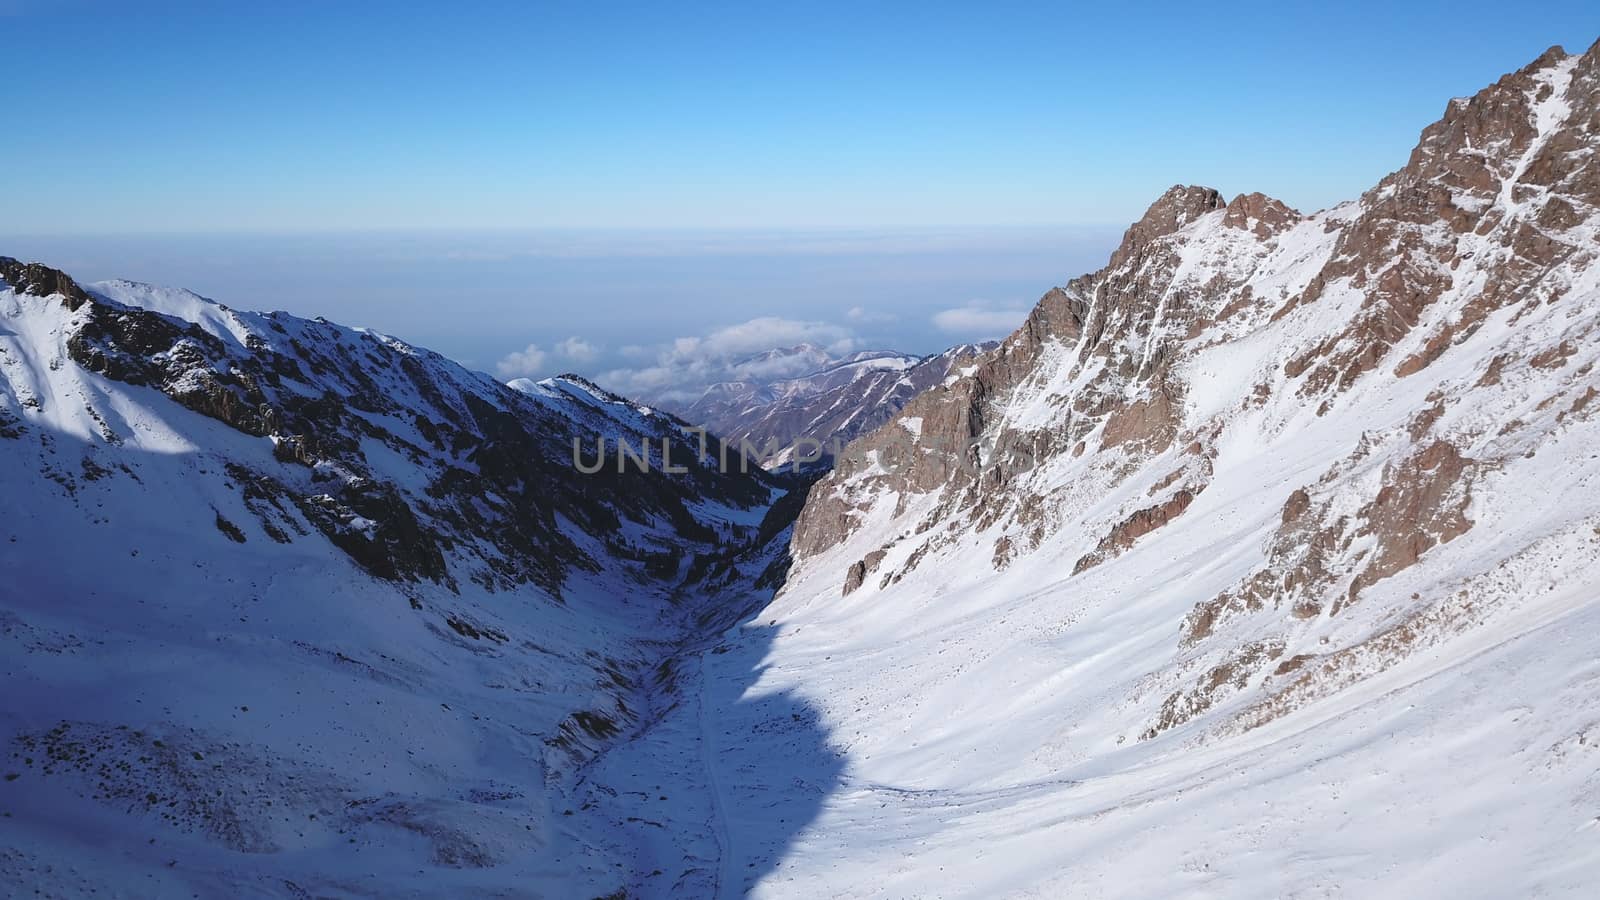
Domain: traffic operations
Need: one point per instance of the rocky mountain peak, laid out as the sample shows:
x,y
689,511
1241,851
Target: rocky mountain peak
x,y
1177,207
1258,213
1493,200
1479,140
41,280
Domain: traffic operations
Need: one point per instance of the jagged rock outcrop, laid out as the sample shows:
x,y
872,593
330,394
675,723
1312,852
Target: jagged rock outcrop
x,y
1259,214
41,280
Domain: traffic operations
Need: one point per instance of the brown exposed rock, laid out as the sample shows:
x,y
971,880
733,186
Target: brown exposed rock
x,y
1422,504
1299,556
824,522
1491,375
41,281
1580,404
968,458
1298,504
860,569
1396,254
1150,424
1179,206
1004,550
1554,357
854,577
1293,663
1259,214
1424,421
1228,677
1166,481
1135,526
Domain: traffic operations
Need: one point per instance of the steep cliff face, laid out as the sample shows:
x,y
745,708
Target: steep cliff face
x,y
1262,468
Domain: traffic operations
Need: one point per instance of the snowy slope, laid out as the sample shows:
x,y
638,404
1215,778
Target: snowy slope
x,y
1268,569
291,609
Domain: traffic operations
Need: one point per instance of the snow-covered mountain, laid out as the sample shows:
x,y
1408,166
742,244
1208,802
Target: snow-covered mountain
x,y
1261,562
294,609
833,401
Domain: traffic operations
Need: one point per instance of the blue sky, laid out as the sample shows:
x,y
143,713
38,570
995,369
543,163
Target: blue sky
x,y
174,116
159,122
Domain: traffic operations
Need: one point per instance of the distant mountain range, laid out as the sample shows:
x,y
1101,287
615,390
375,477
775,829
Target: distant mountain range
x,y
835,400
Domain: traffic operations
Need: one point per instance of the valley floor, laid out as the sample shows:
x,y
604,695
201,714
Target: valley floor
x,y
1439,778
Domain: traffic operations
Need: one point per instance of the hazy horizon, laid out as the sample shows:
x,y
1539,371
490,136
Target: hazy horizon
x,y
628,307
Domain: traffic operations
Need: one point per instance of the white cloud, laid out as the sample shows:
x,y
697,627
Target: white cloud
x,y
533,361
684,367
766,333
578,350
980,319
864,315
525,363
